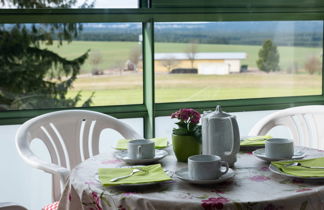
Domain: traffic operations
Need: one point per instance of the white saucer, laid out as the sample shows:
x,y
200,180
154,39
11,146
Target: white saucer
x,y
260,153
122,155
276,170
184,175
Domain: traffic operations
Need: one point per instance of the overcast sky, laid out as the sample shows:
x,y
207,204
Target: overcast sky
x,y
115,3
98,4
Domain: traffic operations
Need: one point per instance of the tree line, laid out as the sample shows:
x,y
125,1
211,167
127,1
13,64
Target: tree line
x,y
305,39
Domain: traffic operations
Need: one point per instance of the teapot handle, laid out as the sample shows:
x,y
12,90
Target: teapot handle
x,y
236,143
236,138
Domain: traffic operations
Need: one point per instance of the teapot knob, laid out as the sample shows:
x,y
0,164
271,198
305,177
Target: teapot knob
x,y
218,108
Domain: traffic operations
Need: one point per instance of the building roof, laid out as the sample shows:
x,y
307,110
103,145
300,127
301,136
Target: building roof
x,y
201,56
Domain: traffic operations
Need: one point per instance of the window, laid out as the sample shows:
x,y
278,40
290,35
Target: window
x,y
98,66
201,61
229,35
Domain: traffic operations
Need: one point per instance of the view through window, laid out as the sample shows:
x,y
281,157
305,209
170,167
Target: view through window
x,y
70,65
232,60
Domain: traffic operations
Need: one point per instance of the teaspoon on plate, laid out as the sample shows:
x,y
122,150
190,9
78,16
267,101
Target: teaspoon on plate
x,y
299,164
135,170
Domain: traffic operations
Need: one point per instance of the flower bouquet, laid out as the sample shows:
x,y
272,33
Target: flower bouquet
x,y
186,139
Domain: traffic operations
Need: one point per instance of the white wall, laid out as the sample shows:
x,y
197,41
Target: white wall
x,y
213,68
234,65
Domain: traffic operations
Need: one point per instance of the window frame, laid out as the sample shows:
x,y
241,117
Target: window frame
x,y
148,110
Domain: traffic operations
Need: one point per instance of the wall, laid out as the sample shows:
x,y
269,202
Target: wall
x,y
235,65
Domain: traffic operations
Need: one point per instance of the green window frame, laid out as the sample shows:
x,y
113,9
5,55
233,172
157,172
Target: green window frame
x,y
173,11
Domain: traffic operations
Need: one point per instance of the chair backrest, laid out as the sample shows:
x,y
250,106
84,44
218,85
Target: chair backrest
x,y
11,206
71,136
305,124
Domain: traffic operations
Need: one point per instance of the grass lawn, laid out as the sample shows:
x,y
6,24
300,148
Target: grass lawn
x,y
127,89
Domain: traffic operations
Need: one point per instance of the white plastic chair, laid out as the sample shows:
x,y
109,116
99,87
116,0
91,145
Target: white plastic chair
x,y
71,136
305,124
11,206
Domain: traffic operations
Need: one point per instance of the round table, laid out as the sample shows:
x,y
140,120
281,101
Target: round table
x,y
253,187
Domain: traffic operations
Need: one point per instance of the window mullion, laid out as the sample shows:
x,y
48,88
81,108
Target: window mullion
x,y
323,60
148,77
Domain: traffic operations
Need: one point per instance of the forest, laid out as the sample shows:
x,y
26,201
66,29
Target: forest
x,y
296,33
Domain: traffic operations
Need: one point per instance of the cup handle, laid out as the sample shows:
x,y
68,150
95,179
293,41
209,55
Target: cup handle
x,y
224,163
139,152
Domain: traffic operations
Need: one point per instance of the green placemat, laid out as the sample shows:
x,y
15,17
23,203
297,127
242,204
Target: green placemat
x,y
301,171
255,140
148,174
160,143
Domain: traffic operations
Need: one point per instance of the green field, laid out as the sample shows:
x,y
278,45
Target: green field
x,y
115,54
126,87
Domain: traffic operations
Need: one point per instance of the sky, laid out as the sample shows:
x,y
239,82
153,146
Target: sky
x,y
99,4
115,3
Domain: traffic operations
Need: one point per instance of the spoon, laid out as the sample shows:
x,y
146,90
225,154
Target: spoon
x,y
299,164
135,170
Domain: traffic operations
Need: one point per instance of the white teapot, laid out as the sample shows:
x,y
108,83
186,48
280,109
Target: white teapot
x,y
220,135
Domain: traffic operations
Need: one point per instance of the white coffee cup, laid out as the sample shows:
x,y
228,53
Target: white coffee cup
x,y
279,148
206,167
141,149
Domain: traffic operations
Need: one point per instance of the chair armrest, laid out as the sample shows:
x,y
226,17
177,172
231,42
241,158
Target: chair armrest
x,y
30,158
11,206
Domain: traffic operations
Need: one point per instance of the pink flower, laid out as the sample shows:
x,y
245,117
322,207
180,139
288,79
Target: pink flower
x,y
188,123
175,115
187,115
184,114
213,203
259,178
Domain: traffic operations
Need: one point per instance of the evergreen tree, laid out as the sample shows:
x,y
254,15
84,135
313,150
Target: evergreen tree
x,y
268,57
33,77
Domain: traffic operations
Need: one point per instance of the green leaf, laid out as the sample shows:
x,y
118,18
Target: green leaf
x,y
180,131
181,124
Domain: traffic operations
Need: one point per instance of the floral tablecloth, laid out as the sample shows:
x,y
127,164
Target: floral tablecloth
x,y
253,187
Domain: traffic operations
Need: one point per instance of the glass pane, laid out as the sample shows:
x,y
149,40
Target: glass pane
x,y
116,4
109,137
232,60
246,120
70,65
69,4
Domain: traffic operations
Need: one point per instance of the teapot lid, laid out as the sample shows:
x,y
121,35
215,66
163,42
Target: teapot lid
x,y
219,113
